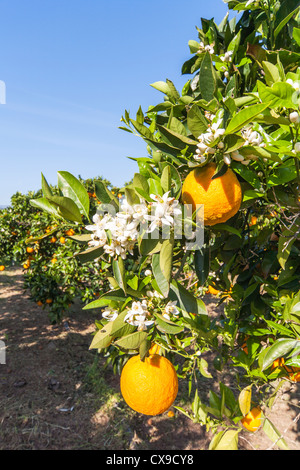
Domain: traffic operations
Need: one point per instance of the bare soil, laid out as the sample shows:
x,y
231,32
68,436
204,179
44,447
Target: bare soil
x,y
56,394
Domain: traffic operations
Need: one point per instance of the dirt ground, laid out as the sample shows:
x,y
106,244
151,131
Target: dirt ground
x,y
55,393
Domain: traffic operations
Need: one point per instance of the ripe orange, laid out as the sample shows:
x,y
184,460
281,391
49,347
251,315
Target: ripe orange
x,y
252,420
40,303
62,240
29,249
53,260
292,372
53,239
70,232
49,301
26,265
150,386
2,267
212,290
253,220
221,196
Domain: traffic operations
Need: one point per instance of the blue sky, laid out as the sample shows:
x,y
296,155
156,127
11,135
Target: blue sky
x,y
71,68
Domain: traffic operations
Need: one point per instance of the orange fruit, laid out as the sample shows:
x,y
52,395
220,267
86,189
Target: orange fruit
x,y
53,239
26,265
40,303
29,249
171,414
212,290
253,220
2,267
155,348
53,260
70,232
150,386
295,376
49,301
252,420
278,363
62,240
221,196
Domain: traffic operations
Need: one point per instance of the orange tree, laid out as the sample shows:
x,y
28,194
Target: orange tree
x,y
228,140
54,277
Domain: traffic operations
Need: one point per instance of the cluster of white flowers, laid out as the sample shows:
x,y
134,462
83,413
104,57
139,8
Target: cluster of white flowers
x,y
123,227
251,138
227,57
123,233
170,309
208,48
137,315
110,314
209,140
163,211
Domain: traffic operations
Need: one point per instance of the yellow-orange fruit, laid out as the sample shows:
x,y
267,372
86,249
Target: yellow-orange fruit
x,y
221,196
150,386
212,290
253,420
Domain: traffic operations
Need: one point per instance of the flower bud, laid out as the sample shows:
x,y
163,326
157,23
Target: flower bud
x,y
297,147
227,159
237,156
294,117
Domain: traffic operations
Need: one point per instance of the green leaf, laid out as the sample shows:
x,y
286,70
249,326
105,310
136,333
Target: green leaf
x,y
201,262
166,179
72,188
140,182
166,256
45,187
176,140
272,74
166,326
116,295
101,192
66,208
132,341
186,300
296,35
151,245
276,436
162,282
285,243
207,80
280,94
119,272
175,179
45,205
245,116
225,440
281,347
81,237
196,121
102,338
143,130
90,254
284,21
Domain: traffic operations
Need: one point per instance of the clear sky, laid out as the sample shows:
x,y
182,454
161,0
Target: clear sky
x,y
71,68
